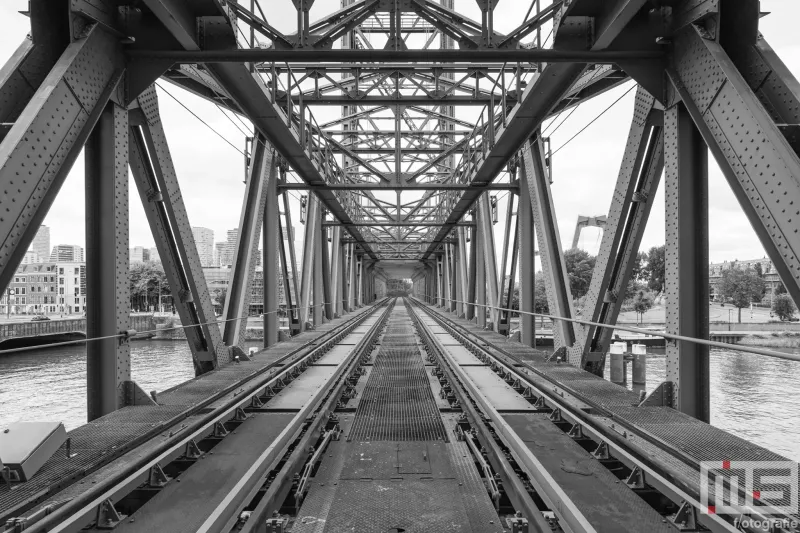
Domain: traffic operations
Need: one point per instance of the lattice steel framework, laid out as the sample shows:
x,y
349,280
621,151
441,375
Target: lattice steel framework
x,y
437,110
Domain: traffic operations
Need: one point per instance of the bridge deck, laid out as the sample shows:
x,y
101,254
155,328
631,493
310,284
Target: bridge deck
x,y
137,428
658,429
398,468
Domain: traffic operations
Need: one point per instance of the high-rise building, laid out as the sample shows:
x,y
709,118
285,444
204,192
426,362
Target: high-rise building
x,y
41,243
30,258
66,252
154,257
139,254
226,253
219,251
204,239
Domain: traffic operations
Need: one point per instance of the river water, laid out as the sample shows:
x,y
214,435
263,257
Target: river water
x,y
754,397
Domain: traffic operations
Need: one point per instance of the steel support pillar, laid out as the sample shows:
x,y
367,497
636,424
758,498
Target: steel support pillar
x,y
559,297
472,281
352,279
639,175
505,316
686,258
480,274
446,284
319,285
336,272
489,259
294,277
157,182
261,175
307,270
462,271
527,265
108,364
272,240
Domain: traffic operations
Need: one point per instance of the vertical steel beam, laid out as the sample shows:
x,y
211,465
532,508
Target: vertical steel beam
x,y
462,267
157,182
639,175
261,174
446,277
458,280
360,280
472,282
559,297
489,259
501,287
272,240
319,290
294,275
686,275
480,272
336,272
352,279
108,364
527,264
307,270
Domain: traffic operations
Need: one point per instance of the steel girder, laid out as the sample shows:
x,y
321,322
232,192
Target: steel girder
x,y
76,89
272,239
554,270
639,175
261,175
108,363
686,261
527,267
746,132
489,259
307,270
157,182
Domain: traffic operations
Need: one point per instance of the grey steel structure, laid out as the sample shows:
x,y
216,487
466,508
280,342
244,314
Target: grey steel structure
x,y
401,185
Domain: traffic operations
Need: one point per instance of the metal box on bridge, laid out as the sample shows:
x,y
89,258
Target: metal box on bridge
x,y
26,446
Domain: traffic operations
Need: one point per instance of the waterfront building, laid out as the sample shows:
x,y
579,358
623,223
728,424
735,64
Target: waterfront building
x,y
139,254
66,252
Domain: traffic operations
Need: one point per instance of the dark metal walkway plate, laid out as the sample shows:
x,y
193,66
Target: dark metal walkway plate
x,y
607,503
398,403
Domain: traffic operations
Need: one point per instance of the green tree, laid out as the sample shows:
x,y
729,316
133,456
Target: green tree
x,y
147,282
642,303
540,304
637,269
654,271
580,266
783,306
759,270
741,287
780,289
219,296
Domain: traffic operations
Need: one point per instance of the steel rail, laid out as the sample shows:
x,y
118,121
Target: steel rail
x,y
669,336
628,452
570,516
75,514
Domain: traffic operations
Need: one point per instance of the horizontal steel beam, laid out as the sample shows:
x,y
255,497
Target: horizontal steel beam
x,y
379,223
407,133
268,55
396,187
419,99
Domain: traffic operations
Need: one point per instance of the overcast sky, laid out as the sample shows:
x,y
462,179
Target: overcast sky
x,y
211,171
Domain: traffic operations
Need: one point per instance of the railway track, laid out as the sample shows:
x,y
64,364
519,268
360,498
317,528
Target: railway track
x,y
401,419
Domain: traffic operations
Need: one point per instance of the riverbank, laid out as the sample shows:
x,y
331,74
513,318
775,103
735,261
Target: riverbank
x,y
777,339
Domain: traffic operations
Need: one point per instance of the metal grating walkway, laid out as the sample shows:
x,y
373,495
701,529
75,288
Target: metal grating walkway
x,y
398,403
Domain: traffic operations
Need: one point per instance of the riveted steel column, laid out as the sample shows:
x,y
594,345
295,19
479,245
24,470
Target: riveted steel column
x,y
319,287
554,270
489,259
527,264
462,270
272,240
686,258
472,284
108,364
262,172
157,182
307,270
336,269
480,272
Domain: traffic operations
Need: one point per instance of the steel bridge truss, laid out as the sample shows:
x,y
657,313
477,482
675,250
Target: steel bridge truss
x,y
438,113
